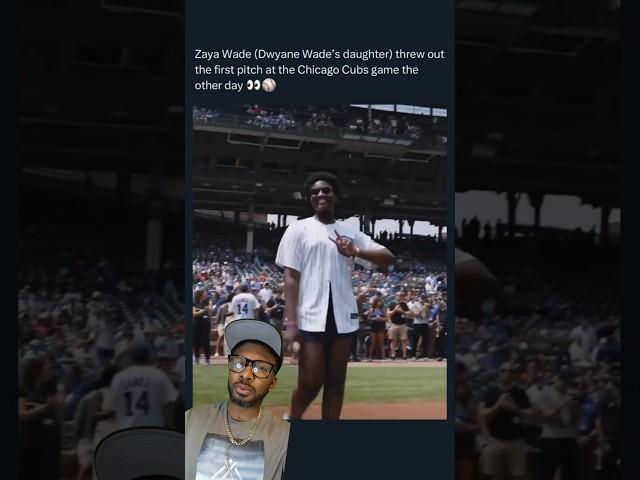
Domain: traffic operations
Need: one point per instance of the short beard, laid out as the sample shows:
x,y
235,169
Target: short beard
x,y
256,402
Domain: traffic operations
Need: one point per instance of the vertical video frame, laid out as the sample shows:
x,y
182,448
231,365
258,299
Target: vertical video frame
x,y
285,199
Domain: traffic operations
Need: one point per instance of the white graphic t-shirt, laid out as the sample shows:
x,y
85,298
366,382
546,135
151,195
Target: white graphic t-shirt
x,y
211,456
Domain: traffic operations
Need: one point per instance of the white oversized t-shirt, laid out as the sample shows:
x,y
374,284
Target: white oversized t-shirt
x,y
306,248
138,394
243,306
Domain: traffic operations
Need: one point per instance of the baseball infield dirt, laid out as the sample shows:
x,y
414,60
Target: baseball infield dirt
x,y
379,411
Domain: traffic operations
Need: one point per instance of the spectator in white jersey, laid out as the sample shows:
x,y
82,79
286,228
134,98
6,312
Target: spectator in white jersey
x,y
142,395
244,304
317,254
265,294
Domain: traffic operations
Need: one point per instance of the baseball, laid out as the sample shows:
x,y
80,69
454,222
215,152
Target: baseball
x,y
268,84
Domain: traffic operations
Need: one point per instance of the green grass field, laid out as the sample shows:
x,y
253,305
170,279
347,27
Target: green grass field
x,y
365,384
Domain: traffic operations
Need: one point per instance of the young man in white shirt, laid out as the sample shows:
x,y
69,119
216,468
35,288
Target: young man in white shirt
x,y
420,311
317,254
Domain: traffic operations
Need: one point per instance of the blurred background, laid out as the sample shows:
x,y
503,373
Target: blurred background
x,y
101,169
100,223
250,163
538,178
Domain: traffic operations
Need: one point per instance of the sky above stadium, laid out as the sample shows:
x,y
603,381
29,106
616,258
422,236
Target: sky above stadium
x,y
557,211
419,228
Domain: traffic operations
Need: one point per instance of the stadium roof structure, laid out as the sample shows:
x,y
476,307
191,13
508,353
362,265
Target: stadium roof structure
x,y
538,97
538,93
235,165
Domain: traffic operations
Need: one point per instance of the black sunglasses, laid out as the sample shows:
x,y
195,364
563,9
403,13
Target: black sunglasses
x,y
325,190
260,368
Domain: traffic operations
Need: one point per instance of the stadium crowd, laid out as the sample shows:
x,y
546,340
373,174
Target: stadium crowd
x,y
316,118
86,324
204,115
537,386
406,303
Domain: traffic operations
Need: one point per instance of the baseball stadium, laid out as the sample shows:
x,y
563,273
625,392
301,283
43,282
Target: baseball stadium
x,y
249,166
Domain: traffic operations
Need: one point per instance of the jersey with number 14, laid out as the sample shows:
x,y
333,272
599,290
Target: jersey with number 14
x,y
244,306
138,394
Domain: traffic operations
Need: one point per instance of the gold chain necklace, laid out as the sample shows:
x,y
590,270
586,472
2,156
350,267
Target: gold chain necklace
x,y
230,435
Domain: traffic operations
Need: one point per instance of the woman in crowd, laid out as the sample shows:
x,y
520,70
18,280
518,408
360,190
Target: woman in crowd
x,y
377,316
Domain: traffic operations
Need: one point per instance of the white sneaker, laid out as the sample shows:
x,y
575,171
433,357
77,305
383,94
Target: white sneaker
x,y
217,354
285,416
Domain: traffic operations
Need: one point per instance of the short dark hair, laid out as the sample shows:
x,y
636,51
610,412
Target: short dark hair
x,y
330,178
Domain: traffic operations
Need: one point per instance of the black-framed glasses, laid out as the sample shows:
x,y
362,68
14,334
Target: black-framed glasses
x,y
260,368
325,190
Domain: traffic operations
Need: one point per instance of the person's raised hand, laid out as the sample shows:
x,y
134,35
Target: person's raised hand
x,y
345,245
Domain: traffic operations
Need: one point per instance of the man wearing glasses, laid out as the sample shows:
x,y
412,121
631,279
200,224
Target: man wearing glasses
x,y
237,438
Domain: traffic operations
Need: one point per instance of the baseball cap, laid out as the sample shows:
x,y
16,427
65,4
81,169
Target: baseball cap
x,y
142,452
244,330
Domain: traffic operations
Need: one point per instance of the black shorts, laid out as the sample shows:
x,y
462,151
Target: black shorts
x,y
330,330
378,325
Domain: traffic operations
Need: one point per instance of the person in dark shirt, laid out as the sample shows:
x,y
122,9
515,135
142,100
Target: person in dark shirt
x,y
39,419
201,326
503,411
275,309
399,329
